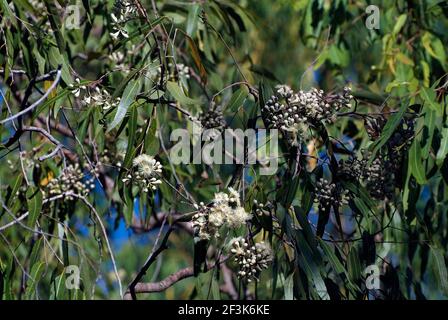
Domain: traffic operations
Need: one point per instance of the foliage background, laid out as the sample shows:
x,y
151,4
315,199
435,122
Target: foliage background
x,y
402,67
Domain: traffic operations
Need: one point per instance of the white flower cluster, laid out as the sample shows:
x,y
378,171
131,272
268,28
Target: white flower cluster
x,y
99,97
145,172
118,58
127,11
71,180
251,259
286,109
327,195
102,98
225,210
176,70
38,6
182,70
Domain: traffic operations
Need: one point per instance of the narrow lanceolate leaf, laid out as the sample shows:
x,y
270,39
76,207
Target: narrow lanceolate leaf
x,y
197,59
36,275
34,197
129,94
237,99
178,94
415,162
193,18
443,150
14,188
428,133
7,12
440,268
429,96
400,23
132,127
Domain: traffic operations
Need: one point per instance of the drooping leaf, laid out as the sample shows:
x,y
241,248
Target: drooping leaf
x,y
415,162
237,99
440,268
129,95
34,206
178,94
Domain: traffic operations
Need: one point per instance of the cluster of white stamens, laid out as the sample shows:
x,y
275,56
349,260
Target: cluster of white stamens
x,y
225,210
145,172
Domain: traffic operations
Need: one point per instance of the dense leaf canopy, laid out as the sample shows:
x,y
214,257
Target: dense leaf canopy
x,y
92,93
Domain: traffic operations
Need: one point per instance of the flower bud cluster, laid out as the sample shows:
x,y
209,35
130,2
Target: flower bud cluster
x,y
328,194
378,177
287,109
251,260
71,180
213,119
261,209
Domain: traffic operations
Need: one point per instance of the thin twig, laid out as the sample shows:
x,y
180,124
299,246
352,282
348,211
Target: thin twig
x,y
152,257
39,101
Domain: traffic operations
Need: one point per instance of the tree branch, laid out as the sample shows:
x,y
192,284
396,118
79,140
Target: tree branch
x,y
39,101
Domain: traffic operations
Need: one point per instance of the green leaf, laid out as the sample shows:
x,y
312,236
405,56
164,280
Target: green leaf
x,y
197,58
338,267
329,254
152,143
288,287
132,130
36,274
400,23
434,47
7,12
34,197
14,188
193,18
353,264
430,121
237,99
178,94
129,205
216,293
443,150
129,94
429,96
415,162
440,268
56,58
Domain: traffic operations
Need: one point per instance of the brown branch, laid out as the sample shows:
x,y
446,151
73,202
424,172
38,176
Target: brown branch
x,y
156,221
152,257
39,101
149,287
228,286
